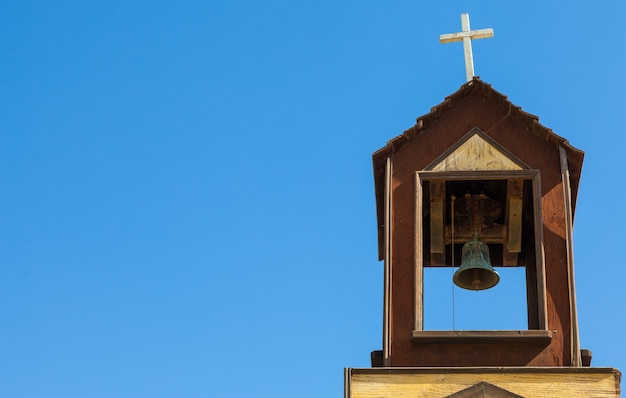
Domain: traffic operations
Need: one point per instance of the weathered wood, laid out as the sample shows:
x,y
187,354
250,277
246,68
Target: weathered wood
x,y
418,261
376,359
465,233
535,316
466,36
523,381
511,114
538,337
476,153
514,216
437,219
569,239
537,296
509,259
558,307
428,175
586,356
475,34
387,265
484,109
482,390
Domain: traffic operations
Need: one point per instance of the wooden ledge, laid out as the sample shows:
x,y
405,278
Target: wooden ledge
x,y
536,337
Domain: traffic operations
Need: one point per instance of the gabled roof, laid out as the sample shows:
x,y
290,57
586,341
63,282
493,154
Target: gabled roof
x,y
474,87
482,390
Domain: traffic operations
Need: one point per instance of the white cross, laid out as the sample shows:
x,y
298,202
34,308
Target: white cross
x,y
467,36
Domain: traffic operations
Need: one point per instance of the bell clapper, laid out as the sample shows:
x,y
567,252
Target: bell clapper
x,y
476,282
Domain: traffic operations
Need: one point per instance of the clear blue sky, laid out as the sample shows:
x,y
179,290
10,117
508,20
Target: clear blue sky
x,y
186,191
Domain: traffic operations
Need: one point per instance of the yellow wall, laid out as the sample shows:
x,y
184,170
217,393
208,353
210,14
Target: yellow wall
x,y
527,382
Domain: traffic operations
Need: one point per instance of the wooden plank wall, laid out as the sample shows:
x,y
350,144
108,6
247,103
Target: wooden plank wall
x,y
526,382
475,111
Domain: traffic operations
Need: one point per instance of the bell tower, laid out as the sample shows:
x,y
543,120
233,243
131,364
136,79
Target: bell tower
x,y
479,186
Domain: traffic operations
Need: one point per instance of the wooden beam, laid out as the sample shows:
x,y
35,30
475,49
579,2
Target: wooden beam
x,y
387,265
418,267
553,382
437,222
539,337
513,219
540,256
515,192
569,239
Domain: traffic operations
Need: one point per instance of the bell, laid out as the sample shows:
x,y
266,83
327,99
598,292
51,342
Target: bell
x,y
476,272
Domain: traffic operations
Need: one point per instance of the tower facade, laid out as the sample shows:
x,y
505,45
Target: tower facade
x,y
478,182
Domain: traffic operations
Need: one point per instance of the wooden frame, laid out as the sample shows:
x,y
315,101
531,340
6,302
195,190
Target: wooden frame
x,y
569,234
387,265
512,160
532,175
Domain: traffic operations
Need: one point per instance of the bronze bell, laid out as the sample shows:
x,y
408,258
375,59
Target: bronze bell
x,y
476,272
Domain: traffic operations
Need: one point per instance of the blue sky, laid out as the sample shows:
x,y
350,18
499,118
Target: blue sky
x,y
186,191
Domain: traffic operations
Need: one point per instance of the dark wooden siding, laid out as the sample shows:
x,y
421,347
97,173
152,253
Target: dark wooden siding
x,y
495,119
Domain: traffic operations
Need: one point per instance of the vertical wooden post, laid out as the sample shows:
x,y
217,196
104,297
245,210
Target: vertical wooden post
x,y
540,255
569,240
387,266
513,217
347,376
418,268
437,222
